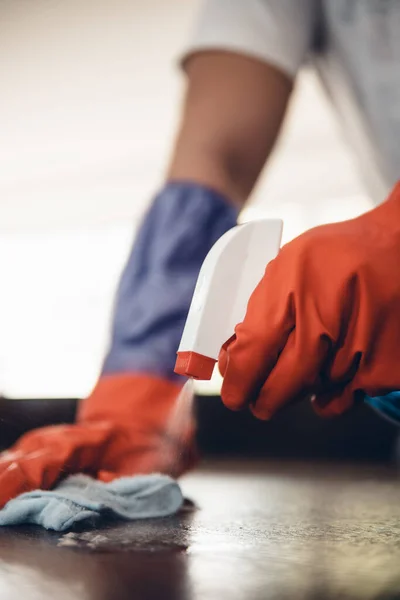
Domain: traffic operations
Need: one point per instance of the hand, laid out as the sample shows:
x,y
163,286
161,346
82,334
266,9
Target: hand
x,y
122,429
324,321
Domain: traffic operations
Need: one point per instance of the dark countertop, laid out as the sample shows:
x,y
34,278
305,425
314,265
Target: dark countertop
x,y
262,530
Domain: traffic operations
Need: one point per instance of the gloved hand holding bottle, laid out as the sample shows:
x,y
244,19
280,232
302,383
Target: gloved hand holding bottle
x,y
324,322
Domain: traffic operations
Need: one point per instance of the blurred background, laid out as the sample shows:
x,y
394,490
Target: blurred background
x,y
88,108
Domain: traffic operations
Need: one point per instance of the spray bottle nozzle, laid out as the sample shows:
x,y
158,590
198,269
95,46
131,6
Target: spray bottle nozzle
x,y
194,365
228,276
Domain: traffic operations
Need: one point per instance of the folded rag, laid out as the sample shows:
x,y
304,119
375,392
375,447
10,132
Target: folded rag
x,y
80,498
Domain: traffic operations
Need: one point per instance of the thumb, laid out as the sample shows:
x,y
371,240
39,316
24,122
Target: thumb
x,y
223,355
260,338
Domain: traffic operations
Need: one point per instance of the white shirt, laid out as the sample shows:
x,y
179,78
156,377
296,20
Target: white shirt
x,y
364,36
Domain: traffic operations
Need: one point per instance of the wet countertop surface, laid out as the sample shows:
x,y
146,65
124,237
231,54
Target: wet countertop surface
x,y
260,530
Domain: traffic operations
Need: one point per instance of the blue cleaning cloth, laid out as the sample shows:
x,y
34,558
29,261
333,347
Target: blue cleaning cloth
x,y
80,498
387,406
157,284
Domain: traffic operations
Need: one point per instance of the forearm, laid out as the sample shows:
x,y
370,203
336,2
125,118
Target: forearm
x,y
233,111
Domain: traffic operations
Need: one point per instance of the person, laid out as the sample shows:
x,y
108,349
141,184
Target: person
x,y
324,321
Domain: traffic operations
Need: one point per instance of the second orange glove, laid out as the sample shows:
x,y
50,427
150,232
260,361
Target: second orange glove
x,y
121,430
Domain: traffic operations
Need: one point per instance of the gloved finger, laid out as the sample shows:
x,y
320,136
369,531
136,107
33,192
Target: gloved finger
x,y
41,457
295,375
25,471
333,403
223,356
21,471
73,447
13,481
259,340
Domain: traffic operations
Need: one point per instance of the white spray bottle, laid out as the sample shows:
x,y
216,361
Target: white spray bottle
x,y
229,274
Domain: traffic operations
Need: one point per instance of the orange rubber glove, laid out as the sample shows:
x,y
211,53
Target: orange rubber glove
x,y
324,321
122,429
